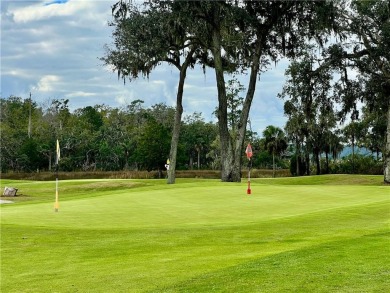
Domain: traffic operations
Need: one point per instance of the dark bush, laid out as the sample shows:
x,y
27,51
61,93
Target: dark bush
x,y
357,164
293,166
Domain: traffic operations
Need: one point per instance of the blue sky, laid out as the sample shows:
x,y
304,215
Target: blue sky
x,y
52,49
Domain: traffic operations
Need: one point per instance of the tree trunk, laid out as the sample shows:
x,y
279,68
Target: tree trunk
x,y
387,150
273,164
176,124
327,162
317,158
353,154
198,158
49,161
175,135
245,111
227,157
307,159
231,148
297,153
126,164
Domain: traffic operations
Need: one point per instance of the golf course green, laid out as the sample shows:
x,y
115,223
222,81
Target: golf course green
x,y
306,234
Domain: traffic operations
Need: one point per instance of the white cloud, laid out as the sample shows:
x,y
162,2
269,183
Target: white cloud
x,y
123,100
47,83
17,72
124,96
80,94
39,11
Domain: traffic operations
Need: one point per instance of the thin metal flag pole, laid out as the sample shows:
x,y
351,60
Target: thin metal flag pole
x,y
56,204
249,191
249,155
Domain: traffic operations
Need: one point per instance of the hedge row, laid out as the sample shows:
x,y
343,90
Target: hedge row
x,y
207,174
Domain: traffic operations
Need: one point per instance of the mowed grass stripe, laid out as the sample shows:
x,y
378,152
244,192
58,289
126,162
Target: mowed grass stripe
x,y
339,266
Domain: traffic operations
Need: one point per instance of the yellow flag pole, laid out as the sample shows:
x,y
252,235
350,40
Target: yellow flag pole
x,y
56,204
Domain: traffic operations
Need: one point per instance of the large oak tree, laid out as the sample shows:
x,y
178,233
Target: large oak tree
x,y
367,26
145,38
246,36
230,36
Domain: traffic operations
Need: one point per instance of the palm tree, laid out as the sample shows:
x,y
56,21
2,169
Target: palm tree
x,y
275,142
295,132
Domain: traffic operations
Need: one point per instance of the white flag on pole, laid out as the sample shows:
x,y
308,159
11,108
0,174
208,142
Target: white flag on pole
x,y
58,153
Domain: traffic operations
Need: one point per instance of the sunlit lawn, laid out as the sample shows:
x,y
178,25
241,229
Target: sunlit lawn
x,y
312,234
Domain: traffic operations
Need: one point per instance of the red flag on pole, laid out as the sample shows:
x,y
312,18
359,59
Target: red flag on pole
x,y
248,151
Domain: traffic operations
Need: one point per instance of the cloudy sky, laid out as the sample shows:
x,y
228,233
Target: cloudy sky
x,y
52,48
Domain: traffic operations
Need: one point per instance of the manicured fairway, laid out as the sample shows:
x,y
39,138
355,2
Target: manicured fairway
x,y
313,234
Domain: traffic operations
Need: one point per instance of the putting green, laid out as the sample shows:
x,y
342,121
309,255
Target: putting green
x,y
196,236
216,204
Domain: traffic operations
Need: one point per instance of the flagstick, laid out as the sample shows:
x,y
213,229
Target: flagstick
x,y
249,155
56,204
249,191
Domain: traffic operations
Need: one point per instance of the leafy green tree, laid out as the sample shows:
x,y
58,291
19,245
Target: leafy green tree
x,y
332,146
196,139
366,24
53,123
84,139
162,114
153,148
134,120
308,106
29,157
143,40
91,118
322,129
247,36
214,154
19,118
239,36
295,132
353,132
113,136
275,142
374,124
235,103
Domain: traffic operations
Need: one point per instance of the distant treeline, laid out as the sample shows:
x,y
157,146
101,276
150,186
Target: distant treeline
x,y
202,174
135,138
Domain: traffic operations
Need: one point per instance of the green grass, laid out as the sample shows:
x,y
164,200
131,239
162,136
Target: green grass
x,y
311,234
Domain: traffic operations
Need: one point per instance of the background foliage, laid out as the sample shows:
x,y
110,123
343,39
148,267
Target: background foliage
x,y
134,138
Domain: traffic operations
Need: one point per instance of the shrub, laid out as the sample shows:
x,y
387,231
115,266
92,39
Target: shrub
x,y
357,164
